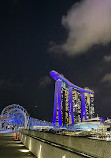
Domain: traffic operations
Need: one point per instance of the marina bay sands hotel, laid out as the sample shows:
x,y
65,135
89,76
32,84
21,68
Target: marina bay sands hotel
x,y
72,104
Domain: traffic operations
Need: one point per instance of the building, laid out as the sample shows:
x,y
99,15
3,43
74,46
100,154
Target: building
x,y
96,123
89,103
71,103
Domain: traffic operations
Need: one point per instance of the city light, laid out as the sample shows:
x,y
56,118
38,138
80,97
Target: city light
x,y
30,145
24,150
40,151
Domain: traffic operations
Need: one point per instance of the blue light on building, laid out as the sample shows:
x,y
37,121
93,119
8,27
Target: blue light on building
x,y
65,101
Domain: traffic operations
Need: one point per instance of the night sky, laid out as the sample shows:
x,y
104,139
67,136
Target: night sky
x,y
36,38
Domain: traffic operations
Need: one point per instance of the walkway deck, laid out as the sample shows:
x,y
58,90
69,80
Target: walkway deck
x,y
10,148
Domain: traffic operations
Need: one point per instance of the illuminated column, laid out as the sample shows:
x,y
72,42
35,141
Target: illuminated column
x,y
59,84
92,104
83,108
55,105
57,116
88,106
70,112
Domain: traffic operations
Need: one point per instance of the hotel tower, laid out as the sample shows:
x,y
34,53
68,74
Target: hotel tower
x,y
71,103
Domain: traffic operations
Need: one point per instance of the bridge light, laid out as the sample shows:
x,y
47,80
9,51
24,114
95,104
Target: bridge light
x,y
63,156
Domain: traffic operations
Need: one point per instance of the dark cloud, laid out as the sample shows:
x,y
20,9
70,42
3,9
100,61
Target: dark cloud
x,y
107,78
107,58
44,81
9,84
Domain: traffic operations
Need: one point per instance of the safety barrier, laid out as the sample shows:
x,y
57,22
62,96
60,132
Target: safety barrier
x,y
45,148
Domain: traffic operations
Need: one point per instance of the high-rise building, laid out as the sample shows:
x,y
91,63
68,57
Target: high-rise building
x,y
76,105
71,103
89,103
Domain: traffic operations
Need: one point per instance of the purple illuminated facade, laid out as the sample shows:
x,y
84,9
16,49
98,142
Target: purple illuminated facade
x,y
70,104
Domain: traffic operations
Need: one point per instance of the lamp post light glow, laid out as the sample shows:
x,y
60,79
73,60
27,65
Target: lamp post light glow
x,y
30,145
40,151
24,150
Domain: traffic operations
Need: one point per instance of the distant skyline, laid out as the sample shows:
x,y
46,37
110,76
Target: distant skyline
x,y
71,37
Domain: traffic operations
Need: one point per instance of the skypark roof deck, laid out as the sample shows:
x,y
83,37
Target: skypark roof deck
x,y
56,76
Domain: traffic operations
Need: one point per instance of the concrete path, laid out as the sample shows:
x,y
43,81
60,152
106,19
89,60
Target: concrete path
x,y
10,148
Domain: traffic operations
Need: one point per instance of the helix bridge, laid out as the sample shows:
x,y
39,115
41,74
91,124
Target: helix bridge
x,y
17,117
